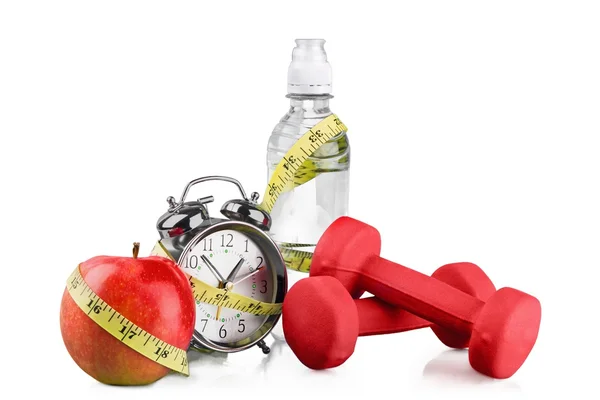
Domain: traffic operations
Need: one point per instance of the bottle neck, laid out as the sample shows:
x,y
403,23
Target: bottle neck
x,y
317,104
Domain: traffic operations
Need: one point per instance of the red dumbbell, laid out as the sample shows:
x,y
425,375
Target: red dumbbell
x,y
322,322
503,329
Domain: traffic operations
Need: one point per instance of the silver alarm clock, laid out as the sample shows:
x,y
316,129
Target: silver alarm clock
x,y
234,254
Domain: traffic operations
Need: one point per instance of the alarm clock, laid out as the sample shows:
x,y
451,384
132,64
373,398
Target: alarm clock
x,y
228,258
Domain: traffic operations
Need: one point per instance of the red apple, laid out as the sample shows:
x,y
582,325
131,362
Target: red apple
x,y
152,292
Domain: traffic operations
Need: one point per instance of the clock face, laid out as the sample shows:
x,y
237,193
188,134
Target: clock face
x,y
230,259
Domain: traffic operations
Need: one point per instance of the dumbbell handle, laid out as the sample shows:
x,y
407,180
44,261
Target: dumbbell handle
x,y
420,294
379,318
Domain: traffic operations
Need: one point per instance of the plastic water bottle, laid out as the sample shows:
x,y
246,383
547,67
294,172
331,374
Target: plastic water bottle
x,y
300,216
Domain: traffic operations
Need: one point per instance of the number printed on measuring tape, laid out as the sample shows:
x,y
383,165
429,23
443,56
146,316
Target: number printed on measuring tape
x,y
123,329
282,179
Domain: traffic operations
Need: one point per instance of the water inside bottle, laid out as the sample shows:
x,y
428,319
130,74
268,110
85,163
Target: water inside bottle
x,y
301,215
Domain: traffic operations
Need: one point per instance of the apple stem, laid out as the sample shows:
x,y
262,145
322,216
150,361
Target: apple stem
x,y
136,249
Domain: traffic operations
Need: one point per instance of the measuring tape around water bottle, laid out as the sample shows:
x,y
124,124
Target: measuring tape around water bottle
x,y
295,169
123,329
296,259
285,176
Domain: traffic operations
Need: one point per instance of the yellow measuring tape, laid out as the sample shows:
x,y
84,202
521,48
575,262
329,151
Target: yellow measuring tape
x,y
295,169
205,293
123,329
297,260
292,170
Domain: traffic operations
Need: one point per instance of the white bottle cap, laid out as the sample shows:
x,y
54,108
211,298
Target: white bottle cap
x,y
309,71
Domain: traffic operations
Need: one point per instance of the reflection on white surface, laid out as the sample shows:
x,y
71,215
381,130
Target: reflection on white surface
x,y
452,368
282,361
212,358
403,361
251,367
279,351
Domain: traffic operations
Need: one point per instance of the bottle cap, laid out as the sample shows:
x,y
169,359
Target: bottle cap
x,y
309,72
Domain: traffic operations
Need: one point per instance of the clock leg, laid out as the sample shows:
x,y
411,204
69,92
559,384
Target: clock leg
x,y
263,346
197,346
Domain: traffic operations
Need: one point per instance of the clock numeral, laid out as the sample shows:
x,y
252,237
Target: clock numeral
x,y
209,245
230,237
205,322
222,332
241,326
260,261
263,289
192,262
246,245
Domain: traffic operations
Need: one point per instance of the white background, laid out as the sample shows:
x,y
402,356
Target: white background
x,y
474,131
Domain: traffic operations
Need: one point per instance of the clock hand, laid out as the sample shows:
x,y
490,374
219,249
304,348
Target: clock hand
x,y
219,307
235,270
229,285
247,276
226,284
212,268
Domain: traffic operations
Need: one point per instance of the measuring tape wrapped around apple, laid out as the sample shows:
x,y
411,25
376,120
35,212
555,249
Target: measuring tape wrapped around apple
x,y
216,312
116,324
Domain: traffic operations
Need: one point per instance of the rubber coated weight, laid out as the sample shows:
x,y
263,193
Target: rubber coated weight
x,y
470,279
321,321
503,329
319,316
